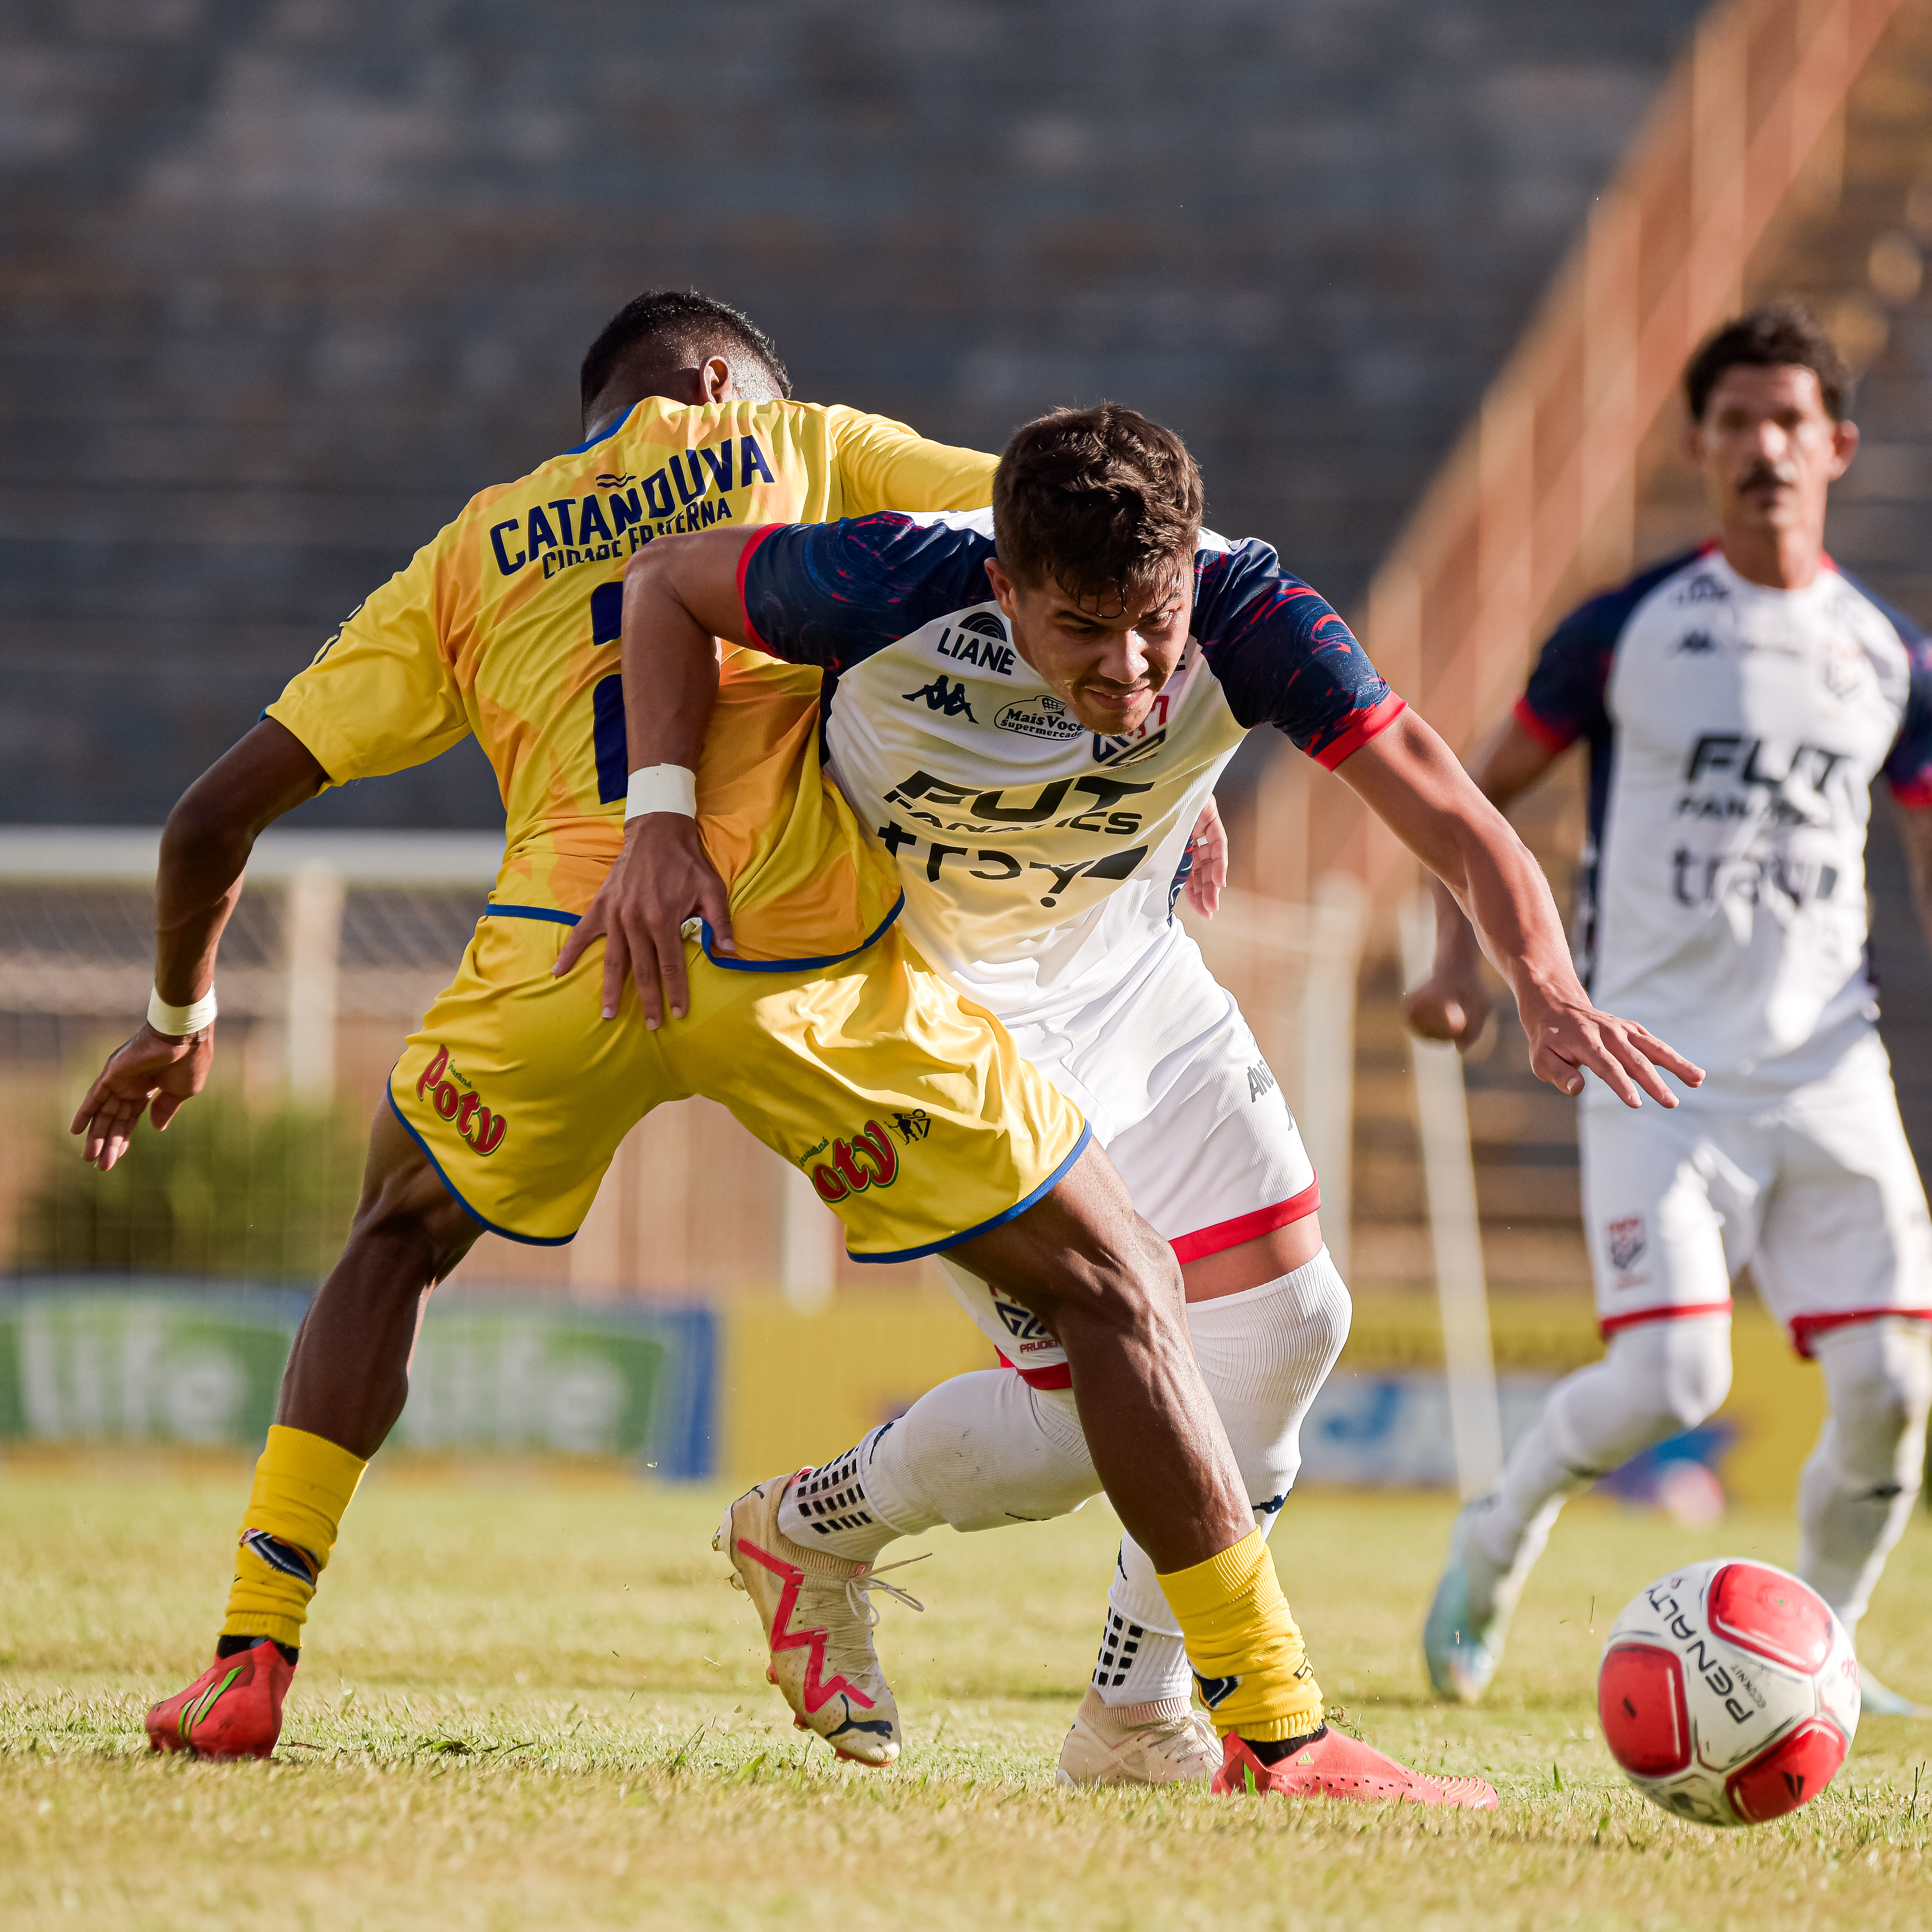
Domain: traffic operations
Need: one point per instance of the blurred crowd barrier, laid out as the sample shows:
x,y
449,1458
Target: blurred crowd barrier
x,y
738,1388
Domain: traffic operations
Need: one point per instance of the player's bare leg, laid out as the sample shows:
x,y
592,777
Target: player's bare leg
x,y
345,1385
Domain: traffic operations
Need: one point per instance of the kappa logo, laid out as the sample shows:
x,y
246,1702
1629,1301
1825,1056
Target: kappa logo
x,y
943,696
868,1159
480,1128
1628,1241
1037,718
1696,644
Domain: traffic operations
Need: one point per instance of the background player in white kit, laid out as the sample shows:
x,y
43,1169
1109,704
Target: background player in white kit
x,y
1041,856
1738,704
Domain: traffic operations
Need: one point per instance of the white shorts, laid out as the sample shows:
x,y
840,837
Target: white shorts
x,y
1178,1093
1815,1187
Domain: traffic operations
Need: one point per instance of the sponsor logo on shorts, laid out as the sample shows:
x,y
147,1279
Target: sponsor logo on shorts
x,y
453,1099
1627,1239
943,696
1037,718
1031,1335
868,1159
1260,1080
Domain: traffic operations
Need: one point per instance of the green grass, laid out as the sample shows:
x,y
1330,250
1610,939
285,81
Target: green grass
x,y
530,1699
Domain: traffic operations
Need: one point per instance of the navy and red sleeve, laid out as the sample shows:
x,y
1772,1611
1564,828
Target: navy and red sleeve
x,y
1908,768
832,594
1565,698
1283,656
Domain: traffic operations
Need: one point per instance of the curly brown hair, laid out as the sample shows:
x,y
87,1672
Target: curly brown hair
x,y
1101,501
1776,334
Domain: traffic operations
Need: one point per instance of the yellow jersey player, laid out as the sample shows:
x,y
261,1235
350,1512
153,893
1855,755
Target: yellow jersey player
x,y
507,1104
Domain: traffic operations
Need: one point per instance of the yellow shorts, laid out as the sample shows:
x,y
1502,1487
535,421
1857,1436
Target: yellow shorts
x,y
909,1107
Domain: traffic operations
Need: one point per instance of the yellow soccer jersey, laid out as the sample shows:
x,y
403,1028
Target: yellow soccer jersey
x,y
507,625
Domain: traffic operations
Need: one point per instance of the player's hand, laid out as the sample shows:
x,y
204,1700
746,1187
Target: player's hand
x,y
1450,1006
150,1074
1209,879
661,878
1567,1035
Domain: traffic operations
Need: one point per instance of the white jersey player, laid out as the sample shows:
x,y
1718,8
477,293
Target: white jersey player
x,y
970,693
1738,704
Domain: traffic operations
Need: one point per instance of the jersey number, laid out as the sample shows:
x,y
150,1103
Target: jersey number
x,y
607,699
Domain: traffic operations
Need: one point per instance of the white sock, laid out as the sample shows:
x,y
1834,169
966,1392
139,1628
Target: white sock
x,y
1860,1483
1264,1354
831,1509
978,1452
1654,1381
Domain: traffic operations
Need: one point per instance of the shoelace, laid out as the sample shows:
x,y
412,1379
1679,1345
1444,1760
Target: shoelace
x,y
858,1589
850,1650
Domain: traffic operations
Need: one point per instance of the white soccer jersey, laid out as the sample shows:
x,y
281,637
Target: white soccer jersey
x,y
1040,861
1735,733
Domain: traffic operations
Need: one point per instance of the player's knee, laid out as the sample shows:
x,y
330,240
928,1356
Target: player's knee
x,y
1681,1370
404,1199
1878,1376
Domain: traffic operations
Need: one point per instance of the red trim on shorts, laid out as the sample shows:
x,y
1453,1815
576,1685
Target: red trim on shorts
x,y
1205,1241
1192,1248
1371,723
1545,734
1805,1327
1607,1326
745,564
1057,1376
1915,795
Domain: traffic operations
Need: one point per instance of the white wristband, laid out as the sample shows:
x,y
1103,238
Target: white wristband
x,y
662,788
180,1021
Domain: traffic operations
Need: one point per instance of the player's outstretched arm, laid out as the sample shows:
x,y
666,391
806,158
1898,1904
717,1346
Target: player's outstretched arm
x,y
1453,1003
204,849
680,595
1413,782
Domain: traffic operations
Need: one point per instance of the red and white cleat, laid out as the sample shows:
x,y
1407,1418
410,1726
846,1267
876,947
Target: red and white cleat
x,y
818,1615
233,1709
1333,1765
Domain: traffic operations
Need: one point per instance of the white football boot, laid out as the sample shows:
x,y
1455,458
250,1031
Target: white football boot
x,y
1164,1742
1469,1618
818,1615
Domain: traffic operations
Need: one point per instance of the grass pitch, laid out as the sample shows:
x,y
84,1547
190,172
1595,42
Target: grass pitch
x,y
530,1699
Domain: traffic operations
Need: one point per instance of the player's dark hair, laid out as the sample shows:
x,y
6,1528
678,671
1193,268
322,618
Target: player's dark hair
x,y
678,323
1777,334
1100,500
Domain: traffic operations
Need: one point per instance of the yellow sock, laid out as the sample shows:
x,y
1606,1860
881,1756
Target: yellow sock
x,y
1239,1634
303,1484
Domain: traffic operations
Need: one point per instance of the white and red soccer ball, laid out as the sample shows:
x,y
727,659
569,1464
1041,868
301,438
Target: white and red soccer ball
x,y
1729,1693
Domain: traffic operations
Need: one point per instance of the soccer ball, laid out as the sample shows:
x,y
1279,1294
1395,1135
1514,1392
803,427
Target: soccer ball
x,y
1729,1693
